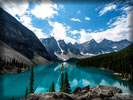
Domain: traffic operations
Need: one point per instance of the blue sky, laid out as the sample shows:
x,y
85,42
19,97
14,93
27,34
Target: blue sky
x,y
74,22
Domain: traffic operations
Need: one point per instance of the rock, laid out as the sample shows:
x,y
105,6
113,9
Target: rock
x,y
124,96
84,97
103,92
110,88
94,93
85,89
106,94
77,90
49,96
97,99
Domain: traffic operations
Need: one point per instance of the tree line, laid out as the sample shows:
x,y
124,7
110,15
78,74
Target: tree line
x,y
12,64
120,62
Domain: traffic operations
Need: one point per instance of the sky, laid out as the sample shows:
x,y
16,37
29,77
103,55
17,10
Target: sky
x,y
74,21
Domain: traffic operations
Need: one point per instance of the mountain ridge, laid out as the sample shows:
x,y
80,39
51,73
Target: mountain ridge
x,y
87,48
21,40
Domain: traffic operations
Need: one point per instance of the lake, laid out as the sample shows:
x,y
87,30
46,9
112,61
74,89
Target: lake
x,y
15,84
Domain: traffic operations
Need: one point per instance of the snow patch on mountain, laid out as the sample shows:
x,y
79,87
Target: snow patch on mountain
x,y
60,47
86,54
114,47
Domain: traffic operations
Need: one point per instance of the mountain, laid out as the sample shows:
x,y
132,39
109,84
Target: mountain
x,y
20,41
51,46
113,46
120,62
91,47
105,46
59,49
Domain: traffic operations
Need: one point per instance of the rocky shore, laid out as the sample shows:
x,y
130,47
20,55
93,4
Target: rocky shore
x,y
100,92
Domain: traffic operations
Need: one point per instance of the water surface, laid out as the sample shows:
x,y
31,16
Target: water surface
x,y
15,84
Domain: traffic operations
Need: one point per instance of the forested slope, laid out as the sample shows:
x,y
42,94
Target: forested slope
x,y
121,62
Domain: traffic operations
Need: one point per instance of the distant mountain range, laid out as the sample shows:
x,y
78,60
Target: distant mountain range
x,y
19,43
59,49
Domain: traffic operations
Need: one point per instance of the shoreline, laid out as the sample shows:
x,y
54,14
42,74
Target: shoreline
x,y
114,73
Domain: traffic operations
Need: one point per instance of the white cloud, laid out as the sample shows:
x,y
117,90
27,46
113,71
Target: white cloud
x,y
75,19
107,8
15,8
74,32
87,18
60,32
45,9
26,21
118,30
127,8
19,8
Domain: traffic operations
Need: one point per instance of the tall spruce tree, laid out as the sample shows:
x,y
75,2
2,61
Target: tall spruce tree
x,y
62,83
67,87
52,87
26,92
13,98
32,81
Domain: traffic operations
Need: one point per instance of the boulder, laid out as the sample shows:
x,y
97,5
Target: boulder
x,y
103,92
97,99
77,90
110,88
49,96
85,89
124,96
94,94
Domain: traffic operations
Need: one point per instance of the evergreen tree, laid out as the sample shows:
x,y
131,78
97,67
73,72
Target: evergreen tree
x,y
67,87
53,87
26,92
32,81
13,98
62,83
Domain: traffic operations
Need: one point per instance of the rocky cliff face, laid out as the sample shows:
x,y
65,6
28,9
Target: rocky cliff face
x,y
59,47
105,46
21,39
51,46
100,92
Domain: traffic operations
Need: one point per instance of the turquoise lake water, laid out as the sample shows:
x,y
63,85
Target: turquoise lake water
x,y
15,84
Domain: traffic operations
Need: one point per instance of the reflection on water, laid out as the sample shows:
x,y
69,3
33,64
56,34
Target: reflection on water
x,y
15,84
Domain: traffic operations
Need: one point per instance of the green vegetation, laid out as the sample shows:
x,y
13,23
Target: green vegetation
x,y
13,98
26,92
67,87
11,65
52,89
120,62
62,83
32,81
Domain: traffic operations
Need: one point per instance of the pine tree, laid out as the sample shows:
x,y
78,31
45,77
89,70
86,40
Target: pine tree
x,y
62,83
26,92
13,98
49,89
32,81
67,87
53,87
